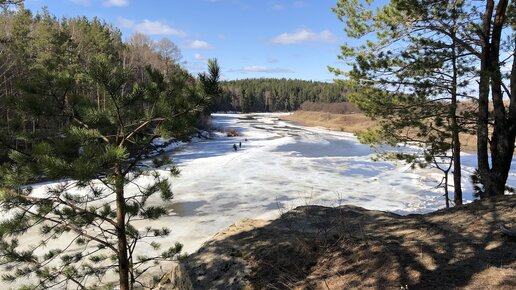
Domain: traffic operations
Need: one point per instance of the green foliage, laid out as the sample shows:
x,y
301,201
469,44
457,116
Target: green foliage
x,y
271,95
88,119
409,66
402,76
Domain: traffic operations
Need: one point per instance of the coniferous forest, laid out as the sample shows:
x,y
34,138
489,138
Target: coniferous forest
x,y
272,95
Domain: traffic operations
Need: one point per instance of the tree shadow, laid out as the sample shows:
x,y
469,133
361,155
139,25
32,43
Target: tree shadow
x,y
315,247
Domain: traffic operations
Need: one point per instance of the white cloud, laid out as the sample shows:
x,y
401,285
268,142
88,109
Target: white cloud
x,y
106,3
196,66
81,2
277,6
284,6
303,35
261,69
198,44
299,4
150,27
199,56
115,3
125,23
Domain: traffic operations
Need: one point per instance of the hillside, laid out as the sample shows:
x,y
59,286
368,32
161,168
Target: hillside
x,y
348,247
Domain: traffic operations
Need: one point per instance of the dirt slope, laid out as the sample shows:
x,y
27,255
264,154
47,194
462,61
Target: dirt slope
x,y
349,247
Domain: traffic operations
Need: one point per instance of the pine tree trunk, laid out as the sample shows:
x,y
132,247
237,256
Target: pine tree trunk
x,y
502,139
502,149
446,193
483,103
457,174
123,261
482,130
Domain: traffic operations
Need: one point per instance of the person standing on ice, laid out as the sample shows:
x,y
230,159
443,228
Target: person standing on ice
x,y
235,147
240,144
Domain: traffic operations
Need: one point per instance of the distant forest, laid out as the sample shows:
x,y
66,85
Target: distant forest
x,y
271,95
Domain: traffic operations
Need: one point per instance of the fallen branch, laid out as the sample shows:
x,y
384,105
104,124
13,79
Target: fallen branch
x,y
508,232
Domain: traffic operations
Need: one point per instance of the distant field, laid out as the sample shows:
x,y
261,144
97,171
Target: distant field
x,y
354,123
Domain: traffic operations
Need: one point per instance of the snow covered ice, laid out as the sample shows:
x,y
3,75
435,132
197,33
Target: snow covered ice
x,y
282,166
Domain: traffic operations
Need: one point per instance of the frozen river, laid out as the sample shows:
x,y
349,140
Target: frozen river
x,y
281,166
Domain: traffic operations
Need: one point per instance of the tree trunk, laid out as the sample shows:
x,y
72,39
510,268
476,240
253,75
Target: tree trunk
x,y
494,177
483,102
457,174
98,98
446,193
502,147
123,261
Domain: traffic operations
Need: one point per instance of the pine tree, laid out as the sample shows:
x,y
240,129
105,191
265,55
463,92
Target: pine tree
x,y
493,168
99,153
412,75
474,30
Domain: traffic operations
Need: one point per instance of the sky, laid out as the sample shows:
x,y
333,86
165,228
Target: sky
x,y
250,38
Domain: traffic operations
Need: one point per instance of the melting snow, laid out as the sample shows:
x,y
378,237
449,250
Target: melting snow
x,y
279,167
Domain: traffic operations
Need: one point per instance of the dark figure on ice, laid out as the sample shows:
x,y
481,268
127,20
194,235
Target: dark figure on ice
x,y
235,147
240,144
246,139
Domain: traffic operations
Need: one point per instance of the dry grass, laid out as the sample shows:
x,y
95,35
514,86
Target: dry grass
x,y
315,247
335,108
230,132
355,123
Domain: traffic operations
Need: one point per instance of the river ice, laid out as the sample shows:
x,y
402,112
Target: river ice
x,y
281,166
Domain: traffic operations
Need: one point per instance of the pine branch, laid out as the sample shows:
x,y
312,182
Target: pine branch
x,y
70,226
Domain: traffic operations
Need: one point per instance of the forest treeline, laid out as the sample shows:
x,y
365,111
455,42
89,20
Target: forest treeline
x,y
272,95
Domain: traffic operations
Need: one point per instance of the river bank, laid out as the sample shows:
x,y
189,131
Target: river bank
x,y
314,247
354,123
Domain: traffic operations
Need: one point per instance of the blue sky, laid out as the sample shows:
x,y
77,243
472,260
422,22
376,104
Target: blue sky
x,y
250,38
